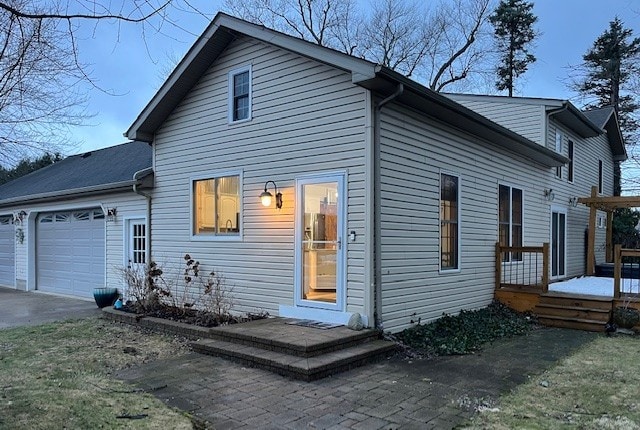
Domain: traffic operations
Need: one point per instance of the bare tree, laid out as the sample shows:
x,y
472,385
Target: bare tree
x,y
440,46
43,81
459,46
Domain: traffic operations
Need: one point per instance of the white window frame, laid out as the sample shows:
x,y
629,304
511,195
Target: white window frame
x,y
456,269
511,187
559,139
231,95
215,237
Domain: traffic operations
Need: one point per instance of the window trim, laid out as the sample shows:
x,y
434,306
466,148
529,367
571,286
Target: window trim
x,y
571,153
231,95
457,269
559,145
215,237
524,220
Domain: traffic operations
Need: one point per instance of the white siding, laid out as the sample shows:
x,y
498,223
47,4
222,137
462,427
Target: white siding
x,y
414,149
127,204
587,152
523,118
306,118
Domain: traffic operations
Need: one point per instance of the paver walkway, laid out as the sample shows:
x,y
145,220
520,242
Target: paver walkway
x,y
423,394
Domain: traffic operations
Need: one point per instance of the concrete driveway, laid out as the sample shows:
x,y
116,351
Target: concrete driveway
x,y
19,308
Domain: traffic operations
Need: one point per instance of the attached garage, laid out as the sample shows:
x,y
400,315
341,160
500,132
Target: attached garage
x,y
7,252
70,252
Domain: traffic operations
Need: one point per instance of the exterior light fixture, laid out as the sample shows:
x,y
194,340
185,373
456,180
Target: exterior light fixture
x,y
573,201
266,196
548,194
111,214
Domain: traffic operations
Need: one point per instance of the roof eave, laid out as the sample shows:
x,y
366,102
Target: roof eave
x,y
463,118
76,192
573,118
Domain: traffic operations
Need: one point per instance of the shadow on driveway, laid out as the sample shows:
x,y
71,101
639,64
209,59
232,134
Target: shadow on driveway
x,y
19,308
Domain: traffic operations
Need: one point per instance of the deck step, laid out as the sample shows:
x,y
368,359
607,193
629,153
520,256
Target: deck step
x,y
304,368
582,301
572,323
576,312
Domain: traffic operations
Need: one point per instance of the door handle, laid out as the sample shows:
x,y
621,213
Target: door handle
x,y
339,242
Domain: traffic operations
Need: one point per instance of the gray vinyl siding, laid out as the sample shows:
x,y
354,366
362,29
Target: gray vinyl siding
x,y
587,152
414,151
127,204
523,118
307,118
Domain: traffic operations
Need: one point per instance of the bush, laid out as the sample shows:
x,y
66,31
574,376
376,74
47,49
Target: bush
x,y
466,332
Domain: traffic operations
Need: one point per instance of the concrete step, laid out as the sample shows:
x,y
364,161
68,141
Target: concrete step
x,y
572,323
303,368
576,312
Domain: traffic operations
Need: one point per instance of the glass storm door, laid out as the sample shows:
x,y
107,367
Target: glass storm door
x,y
558,243
319,242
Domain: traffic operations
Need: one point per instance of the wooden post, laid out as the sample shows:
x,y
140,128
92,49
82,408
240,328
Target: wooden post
x,y
498,266
617,264
609,243
545,267
591,255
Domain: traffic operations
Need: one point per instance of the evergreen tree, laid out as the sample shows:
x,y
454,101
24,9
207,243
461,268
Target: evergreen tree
x,y
609,66
513,30
27,166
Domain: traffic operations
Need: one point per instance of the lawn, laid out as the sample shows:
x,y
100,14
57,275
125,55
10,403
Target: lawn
x,y
598,387
60,375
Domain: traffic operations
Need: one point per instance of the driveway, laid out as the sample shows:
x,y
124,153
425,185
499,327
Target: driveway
x,y
19,308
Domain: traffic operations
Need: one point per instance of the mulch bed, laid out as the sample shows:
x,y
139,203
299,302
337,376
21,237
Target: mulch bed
x,y
193,316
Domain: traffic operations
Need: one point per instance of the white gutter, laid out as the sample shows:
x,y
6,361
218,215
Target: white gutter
x,y
147,237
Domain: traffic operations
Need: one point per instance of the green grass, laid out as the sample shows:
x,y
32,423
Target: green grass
x,y
60,375
598,387
467,332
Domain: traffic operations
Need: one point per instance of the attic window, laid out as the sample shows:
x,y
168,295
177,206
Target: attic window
x,y
240,94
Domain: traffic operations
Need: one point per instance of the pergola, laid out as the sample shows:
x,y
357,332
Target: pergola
x,y
608,205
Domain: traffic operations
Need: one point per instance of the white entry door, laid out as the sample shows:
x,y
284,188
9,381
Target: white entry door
x,y
558,243
136,244
319,242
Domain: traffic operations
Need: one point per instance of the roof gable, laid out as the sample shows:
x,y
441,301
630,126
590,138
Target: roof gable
x,y
606,119
104,169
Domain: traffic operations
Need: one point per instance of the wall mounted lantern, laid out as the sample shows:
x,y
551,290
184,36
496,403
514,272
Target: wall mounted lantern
x,y
111,214
266,196
548,194
573,201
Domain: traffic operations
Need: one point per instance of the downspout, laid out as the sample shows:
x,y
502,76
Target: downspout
x,y
377,211
147,196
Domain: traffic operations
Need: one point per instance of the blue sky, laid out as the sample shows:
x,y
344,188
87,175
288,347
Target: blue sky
x,y
129,68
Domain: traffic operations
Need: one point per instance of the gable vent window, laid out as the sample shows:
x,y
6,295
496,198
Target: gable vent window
x,y
240,94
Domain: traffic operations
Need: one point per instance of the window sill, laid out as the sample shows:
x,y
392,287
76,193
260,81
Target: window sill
x,y
216,238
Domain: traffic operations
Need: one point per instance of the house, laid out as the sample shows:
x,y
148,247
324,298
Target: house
x,y
65,227
322,185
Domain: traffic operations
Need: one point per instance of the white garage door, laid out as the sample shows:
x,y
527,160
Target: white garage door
x,y
7,252
70,252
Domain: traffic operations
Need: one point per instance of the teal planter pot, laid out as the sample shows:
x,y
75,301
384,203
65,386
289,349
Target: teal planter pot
x,y
105,296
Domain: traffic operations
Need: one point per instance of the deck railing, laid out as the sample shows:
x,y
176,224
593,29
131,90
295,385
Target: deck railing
x,y
522,267
618,269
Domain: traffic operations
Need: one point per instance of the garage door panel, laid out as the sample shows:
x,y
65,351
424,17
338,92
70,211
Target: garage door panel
x,y
7,252
70,253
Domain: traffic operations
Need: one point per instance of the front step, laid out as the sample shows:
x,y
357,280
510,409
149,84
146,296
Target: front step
x,y
589,313
304,368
